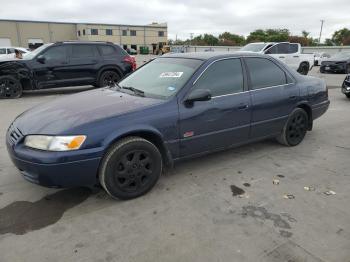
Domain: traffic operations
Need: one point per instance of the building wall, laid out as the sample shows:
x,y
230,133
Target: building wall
x,y
20,32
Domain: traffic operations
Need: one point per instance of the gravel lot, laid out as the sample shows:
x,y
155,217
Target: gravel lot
x,y
193,213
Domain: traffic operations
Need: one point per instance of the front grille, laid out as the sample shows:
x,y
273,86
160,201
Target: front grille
x,y
14,135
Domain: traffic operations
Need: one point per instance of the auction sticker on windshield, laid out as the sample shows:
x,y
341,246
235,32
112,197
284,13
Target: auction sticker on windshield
x,y
171,74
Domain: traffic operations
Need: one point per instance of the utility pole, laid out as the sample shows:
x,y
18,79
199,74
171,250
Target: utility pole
x,y
319,40
191,37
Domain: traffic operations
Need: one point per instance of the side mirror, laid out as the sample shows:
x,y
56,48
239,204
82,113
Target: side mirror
x,y
198,95
41,59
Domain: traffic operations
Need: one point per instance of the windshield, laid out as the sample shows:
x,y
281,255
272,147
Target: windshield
x,y
31,55
341,55
253,47
162,77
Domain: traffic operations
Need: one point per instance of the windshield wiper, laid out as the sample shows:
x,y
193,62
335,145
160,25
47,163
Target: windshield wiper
x,y
133,89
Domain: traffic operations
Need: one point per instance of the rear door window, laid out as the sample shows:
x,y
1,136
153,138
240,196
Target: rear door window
x,y
106,50
83,51
293,48
2,51
222,78
264,73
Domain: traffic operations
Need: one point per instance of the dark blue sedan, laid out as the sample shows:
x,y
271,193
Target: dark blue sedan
x,y
174,107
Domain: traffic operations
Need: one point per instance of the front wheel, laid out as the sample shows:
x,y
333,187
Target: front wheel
x,y
130,168
10,87
348,95
295,129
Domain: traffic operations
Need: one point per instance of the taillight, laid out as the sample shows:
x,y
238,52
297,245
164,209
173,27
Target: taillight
x,y
132,61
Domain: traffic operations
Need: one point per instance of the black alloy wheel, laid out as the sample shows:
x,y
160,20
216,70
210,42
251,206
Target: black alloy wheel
x,y
304,69
130,168
10,87
109,78
295,129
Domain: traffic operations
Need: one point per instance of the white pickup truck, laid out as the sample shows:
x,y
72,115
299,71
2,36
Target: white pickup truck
x,y
289,53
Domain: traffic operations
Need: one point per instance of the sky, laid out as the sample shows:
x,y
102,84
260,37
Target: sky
x,y
191,16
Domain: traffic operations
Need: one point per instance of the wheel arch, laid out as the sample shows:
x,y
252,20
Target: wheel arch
x,y
307,108
109,68
149,134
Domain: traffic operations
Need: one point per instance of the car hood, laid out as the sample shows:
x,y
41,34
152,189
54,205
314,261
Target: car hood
x,y
334,60
66,113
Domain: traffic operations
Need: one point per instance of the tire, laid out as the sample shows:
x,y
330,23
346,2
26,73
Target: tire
x,y
108,78
130,168
10,87
295,128
303,69
348,95
347,69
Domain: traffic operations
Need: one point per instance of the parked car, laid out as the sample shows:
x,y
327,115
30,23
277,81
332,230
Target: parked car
x,y
346,86
319,57
289,53
7,53
131,51
65,64
175,107
338,63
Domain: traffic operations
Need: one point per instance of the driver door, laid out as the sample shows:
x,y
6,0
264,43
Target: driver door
x,y
52,69
222,121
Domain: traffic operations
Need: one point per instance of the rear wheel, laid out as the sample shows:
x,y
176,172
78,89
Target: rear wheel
x,y
303,69
108,78
348,95
10,87
295,129
130,168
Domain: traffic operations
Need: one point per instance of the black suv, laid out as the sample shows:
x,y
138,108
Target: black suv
x,y
65,64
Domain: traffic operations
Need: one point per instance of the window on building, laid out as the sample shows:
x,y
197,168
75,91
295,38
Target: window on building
x,y
84,32
94,31
161,33
106,50
222,78
125,32
132,32
82,51
109,32
125,47
78,32
265,73
134,47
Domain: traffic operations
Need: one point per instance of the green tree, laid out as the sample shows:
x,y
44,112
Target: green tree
x,y
305,33
268,35
227,38
341,37
258,35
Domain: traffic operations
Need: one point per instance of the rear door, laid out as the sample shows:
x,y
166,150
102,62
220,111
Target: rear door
x,y
279,51
274,96
293,58
222,121
82,63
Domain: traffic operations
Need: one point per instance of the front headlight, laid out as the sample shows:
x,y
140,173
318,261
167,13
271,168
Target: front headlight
x,y
54,143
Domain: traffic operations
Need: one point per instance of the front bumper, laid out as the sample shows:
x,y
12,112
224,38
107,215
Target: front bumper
x,y
55,169
346,85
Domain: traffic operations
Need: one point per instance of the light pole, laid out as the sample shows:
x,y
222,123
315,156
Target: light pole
x,y
319,40
191,37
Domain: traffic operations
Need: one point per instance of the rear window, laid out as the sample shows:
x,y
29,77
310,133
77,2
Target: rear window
x,y
81,51
2,51
106,50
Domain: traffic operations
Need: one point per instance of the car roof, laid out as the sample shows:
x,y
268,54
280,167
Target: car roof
x,y
212,55
85,42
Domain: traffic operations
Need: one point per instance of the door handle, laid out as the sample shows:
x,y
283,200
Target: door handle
x,y
242,107
282,57
295,56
